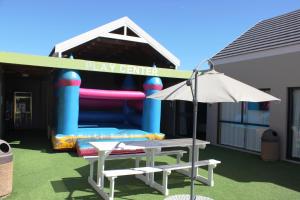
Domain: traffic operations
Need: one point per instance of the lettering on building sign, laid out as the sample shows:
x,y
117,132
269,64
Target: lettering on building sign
x,y
148,71
90,66
115,68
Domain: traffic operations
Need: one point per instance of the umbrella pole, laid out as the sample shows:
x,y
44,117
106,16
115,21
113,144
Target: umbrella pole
x,y
195,103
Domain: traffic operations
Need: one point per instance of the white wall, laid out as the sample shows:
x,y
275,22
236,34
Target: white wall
x,y
276,73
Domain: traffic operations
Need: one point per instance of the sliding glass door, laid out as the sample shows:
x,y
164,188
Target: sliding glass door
x,y
294,124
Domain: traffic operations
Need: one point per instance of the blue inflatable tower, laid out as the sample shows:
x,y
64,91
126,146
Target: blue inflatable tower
x,y
68,84
152,107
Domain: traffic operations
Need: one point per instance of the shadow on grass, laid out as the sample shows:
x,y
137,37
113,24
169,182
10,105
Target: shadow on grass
x,y
72,185
125,186
33,140
246,167
80,184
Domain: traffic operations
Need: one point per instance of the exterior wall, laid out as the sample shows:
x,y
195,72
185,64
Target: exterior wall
x,y
276,73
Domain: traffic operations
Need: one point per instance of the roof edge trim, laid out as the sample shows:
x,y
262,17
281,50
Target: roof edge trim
x,y
103,31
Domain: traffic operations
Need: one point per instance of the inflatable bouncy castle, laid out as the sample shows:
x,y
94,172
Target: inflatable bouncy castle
x,y
84,115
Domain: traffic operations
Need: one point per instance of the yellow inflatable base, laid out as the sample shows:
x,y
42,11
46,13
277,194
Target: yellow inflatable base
x,y
69,142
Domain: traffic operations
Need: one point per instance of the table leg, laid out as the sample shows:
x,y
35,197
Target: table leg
x,y
151,175
100,169
196,155
98,185
91,169
150,162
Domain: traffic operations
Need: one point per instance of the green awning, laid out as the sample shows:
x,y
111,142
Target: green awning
x,y
76,64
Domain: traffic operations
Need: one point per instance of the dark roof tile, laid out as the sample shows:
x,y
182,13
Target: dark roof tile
x,y
280,31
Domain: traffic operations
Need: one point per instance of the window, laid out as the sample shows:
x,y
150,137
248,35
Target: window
x,y
242,124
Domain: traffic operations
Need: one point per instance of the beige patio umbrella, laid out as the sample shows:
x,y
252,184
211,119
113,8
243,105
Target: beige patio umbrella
x,y
214,87
210,87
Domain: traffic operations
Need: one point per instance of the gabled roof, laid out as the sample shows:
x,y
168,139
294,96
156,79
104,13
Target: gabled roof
x,y
120,29
278,32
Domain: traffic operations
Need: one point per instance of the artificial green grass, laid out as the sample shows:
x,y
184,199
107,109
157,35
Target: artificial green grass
x,y
40,173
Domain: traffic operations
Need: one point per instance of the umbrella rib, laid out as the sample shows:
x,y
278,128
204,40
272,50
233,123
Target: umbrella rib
x,y
174,91
232,97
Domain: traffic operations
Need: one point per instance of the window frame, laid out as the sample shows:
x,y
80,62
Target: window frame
x,y
237,123
289,139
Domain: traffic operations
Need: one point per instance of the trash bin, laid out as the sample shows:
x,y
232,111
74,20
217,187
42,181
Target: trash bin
x,y
269,146
6,169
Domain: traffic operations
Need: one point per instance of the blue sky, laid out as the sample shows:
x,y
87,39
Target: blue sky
x,y
191,30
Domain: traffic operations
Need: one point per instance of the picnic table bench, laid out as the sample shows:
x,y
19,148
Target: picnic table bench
x,y
166,169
